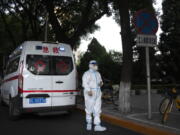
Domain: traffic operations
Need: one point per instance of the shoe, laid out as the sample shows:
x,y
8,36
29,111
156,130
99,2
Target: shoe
x,y
99,128
89,127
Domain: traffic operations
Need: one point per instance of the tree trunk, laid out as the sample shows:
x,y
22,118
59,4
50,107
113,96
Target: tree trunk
x,y
125,84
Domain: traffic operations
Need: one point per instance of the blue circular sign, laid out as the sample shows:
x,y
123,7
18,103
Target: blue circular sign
x,y
145,22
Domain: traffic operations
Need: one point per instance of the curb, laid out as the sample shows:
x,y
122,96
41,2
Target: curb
x,y
137,127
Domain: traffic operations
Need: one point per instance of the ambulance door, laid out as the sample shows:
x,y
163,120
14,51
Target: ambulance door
x,y
37,81
63,80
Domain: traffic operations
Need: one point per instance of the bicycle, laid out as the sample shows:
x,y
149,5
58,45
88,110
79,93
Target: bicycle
x,y
168,102
109,94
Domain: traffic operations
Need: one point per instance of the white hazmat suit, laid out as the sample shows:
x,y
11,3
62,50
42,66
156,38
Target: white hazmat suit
x,y
92,82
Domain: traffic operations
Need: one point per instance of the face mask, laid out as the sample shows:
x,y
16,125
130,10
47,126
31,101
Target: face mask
x,y
95,67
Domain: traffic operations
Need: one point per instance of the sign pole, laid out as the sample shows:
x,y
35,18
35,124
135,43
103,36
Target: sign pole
x,y
148,83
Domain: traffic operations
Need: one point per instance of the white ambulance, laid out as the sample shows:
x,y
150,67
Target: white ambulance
x,y
39,77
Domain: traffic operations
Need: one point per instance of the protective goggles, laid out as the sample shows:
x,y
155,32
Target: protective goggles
x,y
94,63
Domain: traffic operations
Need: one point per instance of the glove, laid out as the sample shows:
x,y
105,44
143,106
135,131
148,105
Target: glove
x,y
101,84
90,93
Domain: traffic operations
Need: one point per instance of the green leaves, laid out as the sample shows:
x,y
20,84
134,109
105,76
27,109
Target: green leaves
x,y
69,20
109,63
169,44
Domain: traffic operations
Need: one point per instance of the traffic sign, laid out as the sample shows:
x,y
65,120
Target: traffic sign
x,y
146,40
145,22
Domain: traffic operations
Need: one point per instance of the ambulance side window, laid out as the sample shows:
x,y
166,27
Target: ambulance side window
x,y
38,64
12,65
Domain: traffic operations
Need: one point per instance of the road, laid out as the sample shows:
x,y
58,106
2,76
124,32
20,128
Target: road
x,y
63,124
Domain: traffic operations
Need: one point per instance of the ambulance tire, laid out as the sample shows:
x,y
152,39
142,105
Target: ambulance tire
x,y
14,112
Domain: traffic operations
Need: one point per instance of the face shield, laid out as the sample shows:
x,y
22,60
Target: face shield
x,y
93,65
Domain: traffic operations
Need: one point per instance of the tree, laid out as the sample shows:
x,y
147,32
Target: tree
x,y
8,45
22,21
69,20
107,67
127,43
169,44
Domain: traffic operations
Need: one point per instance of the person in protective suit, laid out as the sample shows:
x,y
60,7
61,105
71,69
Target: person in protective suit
x,y
92,83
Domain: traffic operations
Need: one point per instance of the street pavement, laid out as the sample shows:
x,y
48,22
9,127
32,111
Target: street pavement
x,y
138,114
139,111
64,124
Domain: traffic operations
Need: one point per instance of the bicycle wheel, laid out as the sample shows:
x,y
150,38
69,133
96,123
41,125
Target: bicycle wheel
x,y
115,98
167,111
107,96
163,105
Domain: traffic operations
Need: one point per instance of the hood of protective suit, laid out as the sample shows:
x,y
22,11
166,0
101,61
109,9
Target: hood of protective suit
x,y
93,65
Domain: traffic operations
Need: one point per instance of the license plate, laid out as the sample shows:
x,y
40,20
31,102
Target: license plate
x,y
37,100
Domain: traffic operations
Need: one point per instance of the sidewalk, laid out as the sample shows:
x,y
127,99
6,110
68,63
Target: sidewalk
x,y
137,119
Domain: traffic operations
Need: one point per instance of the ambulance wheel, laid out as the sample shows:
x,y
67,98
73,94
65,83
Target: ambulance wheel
x,y
14,111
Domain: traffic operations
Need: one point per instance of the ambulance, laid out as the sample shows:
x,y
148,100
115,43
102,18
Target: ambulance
x,y
39,77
